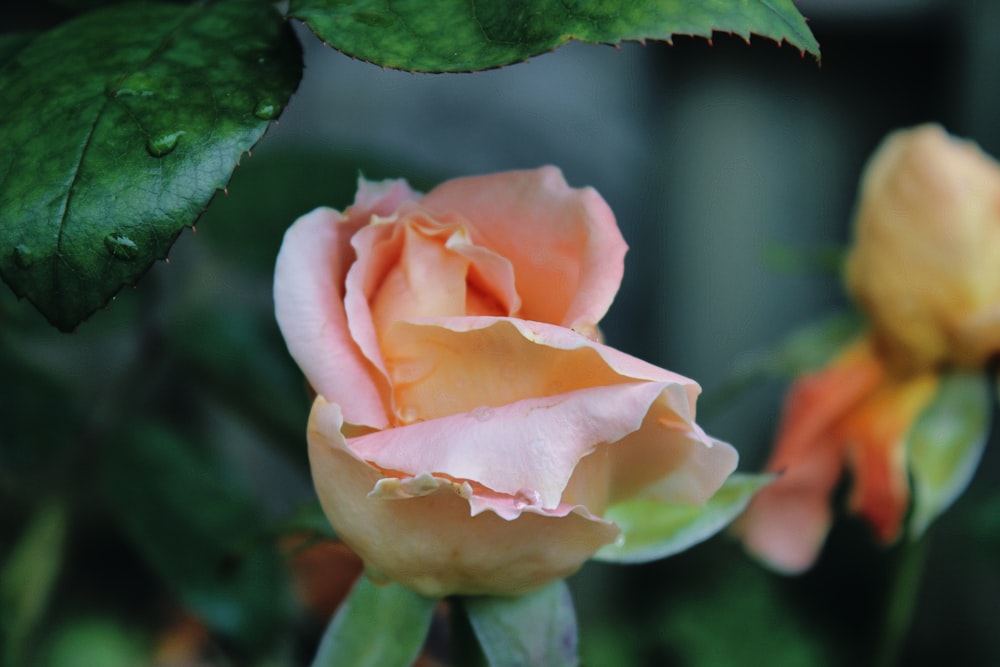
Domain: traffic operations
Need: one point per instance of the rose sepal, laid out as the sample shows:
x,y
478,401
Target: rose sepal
x,y
653,529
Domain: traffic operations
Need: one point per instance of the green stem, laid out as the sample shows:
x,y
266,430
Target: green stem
x,y
901,601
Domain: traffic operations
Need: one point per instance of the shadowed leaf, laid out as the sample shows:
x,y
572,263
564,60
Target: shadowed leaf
x,y
466,35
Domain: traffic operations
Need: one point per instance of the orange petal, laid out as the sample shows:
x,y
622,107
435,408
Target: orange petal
x,y
786,523
875,436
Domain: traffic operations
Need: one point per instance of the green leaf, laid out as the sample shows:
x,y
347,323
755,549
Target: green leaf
x,y
945,445
465,35
118,128
538,629
27,579
13,43
652,529
200,534
377,626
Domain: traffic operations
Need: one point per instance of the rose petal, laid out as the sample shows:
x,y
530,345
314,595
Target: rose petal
x,y
491,288
787,521
427,280
524,432
446,366
430,543
876,435
563,242
308,298
380,198
528,447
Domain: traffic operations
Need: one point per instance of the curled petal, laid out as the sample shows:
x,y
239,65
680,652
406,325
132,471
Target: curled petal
x,y
428,540
308,293
564,242
584,396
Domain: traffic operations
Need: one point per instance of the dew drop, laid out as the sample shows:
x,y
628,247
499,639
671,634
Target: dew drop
x,y
482,413
408,415
527,498
121,246
266,110
161,144
139,84
24,256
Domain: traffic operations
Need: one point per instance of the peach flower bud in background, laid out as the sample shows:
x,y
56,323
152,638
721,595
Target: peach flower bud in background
x,y
469,429
925,269
925,264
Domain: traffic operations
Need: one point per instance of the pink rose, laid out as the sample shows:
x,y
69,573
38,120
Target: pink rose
x,y
469,429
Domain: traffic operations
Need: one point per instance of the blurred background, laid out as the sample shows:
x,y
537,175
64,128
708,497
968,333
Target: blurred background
x,y
155,506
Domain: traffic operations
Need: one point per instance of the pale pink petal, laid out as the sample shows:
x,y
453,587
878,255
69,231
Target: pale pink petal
x,y
308,297
378,247
564,243
429,541
530,447
381,198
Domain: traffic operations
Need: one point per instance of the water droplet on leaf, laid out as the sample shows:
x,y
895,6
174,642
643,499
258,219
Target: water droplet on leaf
x,y
24,256
267,110
121,246
161,144
139,84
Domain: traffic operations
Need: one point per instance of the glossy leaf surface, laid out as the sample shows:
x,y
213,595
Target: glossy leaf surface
x,y
118,128
466,35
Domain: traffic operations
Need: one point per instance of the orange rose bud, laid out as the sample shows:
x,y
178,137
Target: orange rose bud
x,y
925,265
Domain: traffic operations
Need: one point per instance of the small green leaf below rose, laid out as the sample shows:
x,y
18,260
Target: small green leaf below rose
x,y
534,629
377,626
945,445
652,529
466,35
118,128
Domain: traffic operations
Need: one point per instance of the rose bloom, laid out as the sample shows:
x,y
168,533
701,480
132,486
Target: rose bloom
x,y
925,269
925,265
469,428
